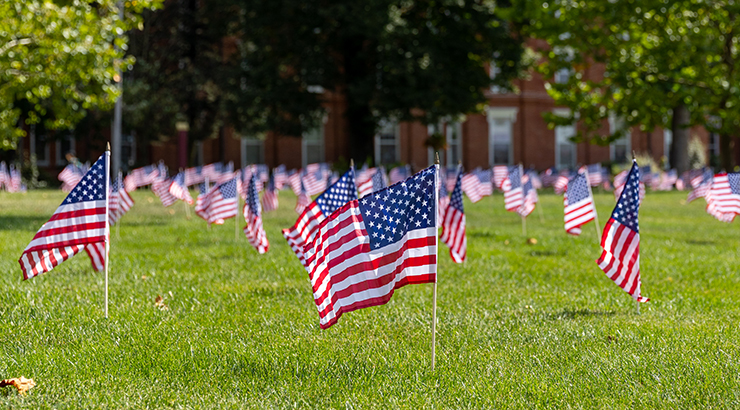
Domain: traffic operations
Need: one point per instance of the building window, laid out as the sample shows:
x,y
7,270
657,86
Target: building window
x,y
253,150
64,145
713,144
39,147
128,150
565,149
493,72
619,150
452,132
313,145
667,141
386,143
562,76
501,135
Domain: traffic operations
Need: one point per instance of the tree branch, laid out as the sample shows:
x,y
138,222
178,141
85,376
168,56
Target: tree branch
x,y
13,43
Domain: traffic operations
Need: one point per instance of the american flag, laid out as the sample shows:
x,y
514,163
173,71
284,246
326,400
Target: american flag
x,y
500,174
254,231
363,174
16,184
370,247
646,175
702,186
302,201
512,187
579,204
305,228
70,176
444,199
549,176
270,197
295,182
723,199
620,242
194,176
619,181
472,187
212,171
4,176
314,178
81,219
561,182
179,190
529,192
450,177
594,174
667,180
453,223
696,176
143,176
399,173
280,176
201,203
222,202
120,201
535,178
375,183
161,188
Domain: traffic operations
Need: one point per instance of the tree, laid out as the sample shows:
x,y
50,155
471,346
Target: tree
x,y
406,60
666,63
58,60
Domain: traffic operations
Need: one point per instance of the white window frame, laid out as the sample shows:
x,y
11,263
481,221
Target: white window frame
x,y
61,158
493,72
559,135
318,144
626,140
250,142
384,126
32,148
501,113
667,141
445,129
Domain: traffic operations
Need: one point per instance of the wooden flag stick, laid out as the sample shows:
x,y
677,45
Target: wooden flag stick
x,y
208,188
236,217
524,225
638,306
107,226
434,292
596,214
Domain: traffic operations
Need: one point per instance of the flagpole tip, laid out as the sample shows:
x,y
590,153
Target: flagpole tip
x,y
436,157
633,155
351,163
107,146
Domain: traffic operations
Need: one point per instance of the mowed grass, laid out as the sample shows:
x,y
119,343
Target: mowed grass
x,y
519,325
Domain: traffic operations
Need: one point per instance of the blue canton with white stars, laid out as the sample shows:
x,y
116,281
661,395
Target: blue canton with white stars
x,y
228,190
378,182
734,179
402,207
253,197
485,175
179,179
92,187
577,189
456,197
527,186
202,188
338,194
629,202
515,177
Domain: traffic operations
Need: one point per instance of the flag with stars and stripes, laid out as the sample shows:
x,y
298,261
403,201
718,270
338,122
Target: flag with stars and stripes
x,y
4,175
579,204
723,198
594,174
140,177
70,176
201,203
161,188
444,198
453,223
370,247
500,173
303,200
620,242
81,219
254,231
223,202
701,185
472,186
561,182
512,187
280,177
529,194
270,197
375,183
179,190
305,228
120,201
399,173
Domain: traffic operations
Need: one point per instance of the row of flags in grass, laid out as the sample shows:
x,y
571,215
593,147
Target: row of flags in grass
x,y
10,179
357,251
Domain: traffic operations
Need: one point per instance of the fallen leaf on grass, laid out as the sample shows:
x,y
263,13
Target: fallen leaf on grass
x,y
159,302
20,383
532,241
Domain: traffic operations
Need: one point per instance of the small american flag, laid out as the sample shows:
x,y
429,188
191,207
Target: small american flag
x,y
161,188
305,228
453,223
70,176
723,199
370,247
444,198
620,242
561,182
16,184
512,187
120,201
472,187
254,231
579,204
212,171
81,219
529,192
314,178
194,176
594,174
375,183
399,173
667,180
201,203
222,202
280,177
702,185
646,175
179,190
549,176
144,176
270,197
303,200
500,174
4,176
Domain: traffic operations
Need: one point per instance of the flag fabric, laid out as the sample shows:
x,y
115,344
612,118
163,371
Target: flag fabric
x,y
561,182
620,242
254,231
70,176
305,228
529,194
549,176
579,204
471,186
375,183
453,223
270,197
314,178
399,173
161,188
222,202
80,220
201,203
667,180
500,174
194,176
512,187
141,177
179,190
723,198
16,184
702,186
120,201
444,198
303,200
4,175
594,174
370,247
280,177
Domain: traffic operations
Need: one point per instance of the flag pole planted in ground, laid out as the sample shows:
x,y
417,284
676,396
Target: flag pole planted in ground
x,y
596,214
107,225
434,292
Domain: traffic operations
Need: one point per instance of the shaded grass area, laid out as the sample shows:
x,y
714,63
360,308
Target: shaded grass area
x,y
519,325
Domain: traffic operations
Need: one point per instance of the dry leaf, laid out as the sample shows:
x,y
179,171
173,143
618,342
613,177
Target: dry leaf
x,y
159,302
532,241
20,383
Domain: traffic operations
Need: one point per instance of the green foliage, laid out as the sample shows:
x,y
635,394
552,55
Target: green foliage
x,y
58,59
520,326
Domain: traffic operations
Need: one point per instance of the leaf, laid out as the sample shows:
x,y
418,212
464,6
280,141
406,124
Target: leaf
x,y
20,383
159,302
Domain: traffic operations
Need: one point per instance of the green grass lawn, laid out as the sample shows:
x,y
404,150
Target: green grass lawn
x,y
522,326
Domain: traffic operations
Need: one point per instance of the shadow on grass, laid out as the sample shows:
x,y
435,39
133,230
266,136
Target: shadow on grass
x,y
581,313
700,242
482,234
31,223
274,291
548,253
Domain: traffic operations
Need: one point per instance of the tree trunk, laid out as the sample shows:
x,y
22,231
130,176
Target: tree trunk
x,y
725,152
680,144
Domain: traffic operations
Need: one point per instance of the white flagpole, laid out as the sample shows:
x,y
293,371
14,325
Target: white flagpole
x,y
436,232
107,226
208,189
596,215
236,217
